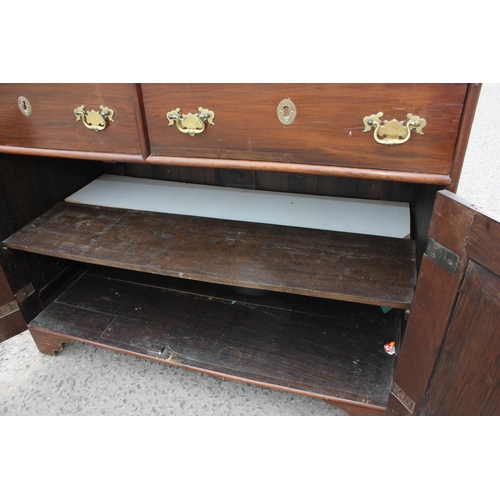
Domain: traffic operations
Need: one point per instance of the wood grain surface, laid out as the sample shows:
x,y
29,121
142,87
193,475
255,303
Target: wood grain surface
x,y
328,129
326,139
433,303
351,267
467,377
318,347
52,124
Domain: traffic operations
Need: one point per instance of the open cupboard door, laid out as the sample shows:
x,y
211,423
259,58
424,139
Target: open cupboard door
x,y
450,357
11,319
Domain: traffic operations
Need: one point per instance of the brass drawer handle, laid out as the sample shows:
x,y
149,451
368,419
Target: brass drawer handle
x,y
94,120
191,124
393,132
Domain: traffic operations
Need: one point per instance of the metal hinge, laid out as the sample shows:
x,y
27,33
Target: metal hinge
x,y
20,296
24,293
402,397
8,308
442,256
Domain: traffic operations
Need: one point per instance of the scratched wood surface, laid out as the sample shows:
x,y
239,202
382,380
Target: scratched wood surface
x,y
52,123
312,346
466,381
448,363
328,129
29,186
351,267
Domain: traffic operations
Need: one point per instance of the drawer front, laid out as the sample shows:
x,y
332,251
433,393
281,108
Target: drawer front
x,y
53,124
328,128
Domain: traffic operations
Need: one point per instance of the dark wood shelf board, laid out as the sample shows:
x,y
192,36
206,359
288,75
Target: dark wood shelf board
x,y
350,267
322,348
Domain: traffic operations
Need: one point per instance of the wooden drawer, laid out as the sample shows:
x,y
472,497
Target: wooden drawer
x,y
52,123
328,129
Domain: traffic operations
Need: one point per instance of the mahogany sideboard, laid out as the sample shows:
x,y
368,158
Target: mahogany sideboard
x,y
369,319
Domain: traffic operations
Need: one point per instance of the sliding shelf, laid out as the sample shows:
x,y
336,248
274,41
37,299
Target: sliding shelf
x,y
322,348
359,268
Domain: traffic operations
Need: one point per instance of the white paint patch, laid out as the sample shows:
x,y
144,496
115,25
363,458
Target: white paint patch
x,y
375,217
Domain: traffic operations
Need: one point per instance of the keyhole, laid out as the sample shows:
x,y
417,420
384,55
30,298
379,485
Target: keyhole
x,y
286,113
24,106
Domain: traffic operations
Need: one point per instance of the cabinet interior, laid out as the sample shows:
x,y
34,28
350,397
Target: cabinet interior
x,y
297,308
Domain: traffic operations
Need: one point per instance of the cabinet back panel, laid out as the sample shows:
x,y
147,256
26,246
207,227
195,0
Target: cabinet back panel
x,y
272,181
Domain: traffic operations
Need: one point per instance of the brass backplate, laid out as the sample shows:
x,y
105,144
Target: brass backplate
x,y
94,120
24,105
393,132
287,112
191,123
8,308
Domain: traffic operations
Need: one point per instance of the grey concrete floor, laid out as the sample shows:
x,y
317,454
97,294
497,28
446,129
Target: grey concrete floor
x,y
84,380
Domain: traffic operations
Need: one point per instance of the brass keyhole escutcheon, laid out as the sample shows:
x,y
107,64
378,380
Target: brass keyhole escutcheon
x,y
287,112
24,105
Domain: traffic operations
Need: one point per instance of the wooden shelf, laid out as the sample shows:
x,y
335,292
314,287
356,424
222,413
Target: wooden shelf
x,y
317,347
350,267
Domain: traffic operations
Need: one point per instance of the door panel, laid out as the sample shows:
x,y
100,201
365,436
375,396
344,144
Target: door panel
x,y
468,371
449,361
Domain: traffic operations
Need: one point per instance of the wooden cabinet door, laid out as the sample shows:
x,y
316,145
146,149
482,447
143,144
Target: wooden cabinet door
x,y
450,357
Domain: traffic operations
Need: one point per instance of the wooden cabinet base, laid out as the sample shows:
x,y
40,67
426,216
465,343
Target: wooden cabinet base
x,y
48,342
316,347
286,306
